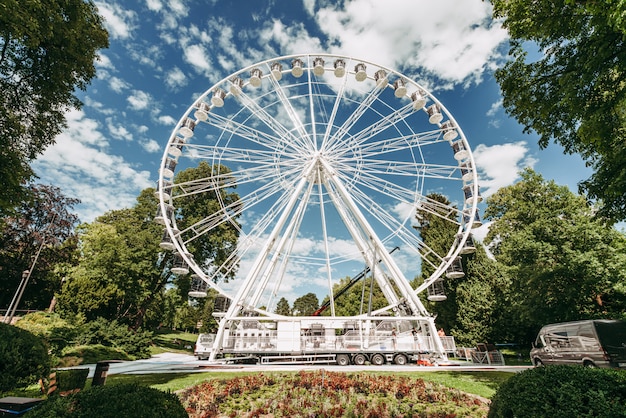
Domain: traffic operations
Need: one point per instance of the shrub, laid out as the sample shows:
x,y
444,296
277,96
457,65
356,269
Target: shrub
x,y
57,332
116,401
90,354
114,334
24,358
561,391
71,379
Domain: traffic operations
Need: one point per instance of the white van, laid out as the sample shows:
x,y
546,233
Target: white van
x,y
591,343
204,344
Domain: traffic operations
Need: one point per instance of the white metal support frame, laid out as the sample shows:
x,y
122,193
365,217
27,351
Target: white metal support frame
x,y
331,167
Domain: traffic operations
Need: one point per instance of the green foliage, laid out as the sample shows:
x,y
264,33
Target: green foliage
x,y
120,273
561,391
48,52
563,263
116,335
91,354
113,401
24,358
71,379
57,332
356,300
44,218
282,307
574,93
305,305
217,244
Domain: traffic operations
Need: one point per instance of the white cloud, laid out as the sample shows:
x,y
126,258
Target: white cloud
x,y
79,165
118,131
154,5
292,39
495,107
175,78
139,100
104,61
453,42
499,165
118,85
118,21
197,56
166,120
151,145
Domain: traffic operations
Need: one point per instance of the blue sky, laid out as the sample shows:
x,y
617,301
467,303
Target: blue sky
x,y
164,54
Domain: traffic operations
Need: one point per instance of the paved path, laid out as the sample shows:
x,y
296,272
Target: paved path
x,y
173,362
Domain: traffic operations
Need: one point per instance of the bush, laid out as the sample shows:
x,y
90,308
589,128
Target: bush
x,y
71,379
24,358
116,401
561,391
114,334
57,332
90,354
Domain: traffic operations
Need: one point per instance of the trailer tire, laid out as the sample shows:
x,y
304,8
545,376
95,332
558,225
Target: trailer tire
x,y
359,359
378,359
343,359
400,360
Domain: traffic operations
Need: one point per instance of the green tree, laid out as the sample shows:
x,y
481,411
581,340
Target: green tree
x,y
47,50
42,222
563,262
356,300
573,91
305,305
282,307
473,303
121,273
216,245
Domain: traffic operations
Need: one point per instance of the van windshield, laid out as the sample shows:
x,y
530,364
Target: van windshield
x,y
612,334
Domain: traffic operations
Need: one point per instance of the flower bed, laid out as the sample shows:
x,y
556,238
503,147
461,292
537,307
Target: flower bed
x,y
328,394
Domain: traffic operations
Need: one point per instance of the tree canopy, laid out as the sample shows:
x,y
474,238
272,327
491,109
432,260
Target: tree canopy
x,y
43,221
47,52
573,91
562,262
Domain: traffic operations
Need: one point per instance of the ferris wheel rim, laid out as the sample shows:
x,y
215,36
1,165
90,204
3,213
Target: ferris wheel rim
x,y
471,208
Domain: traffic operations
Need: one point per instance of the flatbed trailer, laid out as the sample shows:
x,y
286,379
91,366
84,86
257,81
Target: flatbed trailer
x,y
324,340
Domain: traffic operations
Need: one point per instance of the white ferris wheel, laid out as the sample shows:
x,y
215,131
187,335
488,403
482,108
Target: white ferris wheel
x,y
331,159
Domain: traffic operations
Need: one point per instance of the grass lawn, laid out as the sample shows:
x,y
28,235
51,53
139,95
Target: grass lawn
x,y
483,384
171,341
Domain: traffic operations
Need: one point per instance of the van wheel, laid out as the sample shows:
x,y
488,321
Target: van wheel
x,y
538,363
378,359
590,364
359,359
343,359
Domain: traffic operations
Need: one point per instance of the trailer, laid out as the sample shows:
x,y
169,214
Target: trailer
x,y
326,340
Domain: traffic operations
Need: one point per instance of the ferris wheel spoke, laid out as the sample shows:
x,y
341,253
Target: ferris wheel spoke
x,y
404,169
232,210
333,114
232,155
370,131
276,265
291,112
356,115
246,132
272,123
373,149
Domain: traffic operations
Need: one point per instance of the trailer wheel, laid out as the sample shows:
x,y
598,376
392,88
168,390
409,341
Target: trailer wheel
x,y
359,359
378,359
343,359
400,360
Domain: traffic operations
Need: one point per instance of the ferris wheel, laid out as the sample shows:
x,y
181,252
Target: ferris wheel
x,y
322,165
